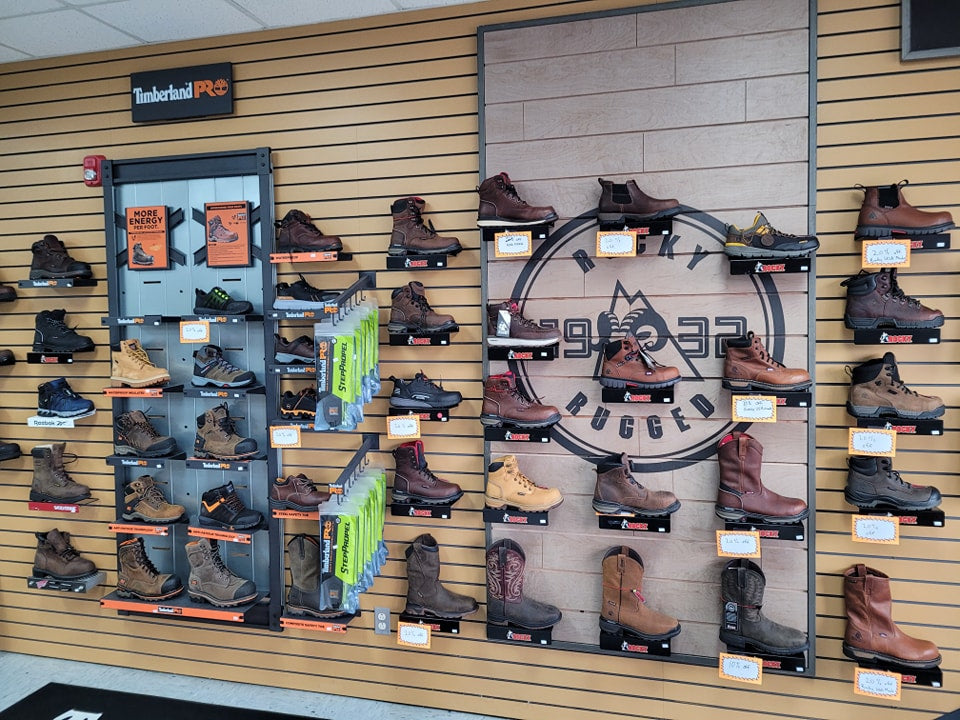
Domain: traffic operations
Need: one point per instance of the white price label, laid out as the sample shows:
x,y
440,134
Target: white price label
x,y
413,635
754,408
741,668
738,543
621,243
877,683
872,441
285,436
885,253
513,244
876,529
194,331
403,427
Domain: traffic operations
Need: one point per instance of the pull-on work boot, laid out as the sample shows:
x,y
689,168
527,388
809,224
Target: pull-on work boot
x,y
299,234
505,403
507,487
413,482
627,365
131,366
617,491
411,236
886,212
741,493
411,313
217,436
762,240
624,608
620,202
52,261
303,597
876,300
57,558
137,576
506,602
51,482
426,595
501,206
143,500
748,366
211,580
517,331
872,481
876,390
742,583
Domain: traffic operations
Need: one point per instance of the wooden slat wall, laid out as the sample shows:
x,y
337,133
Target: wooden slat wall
x,y
362,112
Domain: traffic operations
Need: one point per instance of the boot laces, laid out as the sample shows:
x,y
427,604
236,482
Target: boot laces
x,y
59,473
143,426
894,375
223,364
153,496
418,220
219,566
68,553
61,325
226,425
421,302
140,355
515,313
144,560
891,473
764,355
424,380
511,192
234,502
896,292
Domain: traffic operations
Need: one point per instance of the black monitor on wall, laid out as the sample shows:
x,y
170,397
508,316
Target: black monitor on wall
x,y
929,28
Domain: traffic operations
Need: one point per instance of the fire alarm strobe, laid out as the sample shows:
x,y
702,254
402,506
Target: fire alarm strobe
x,y
93,170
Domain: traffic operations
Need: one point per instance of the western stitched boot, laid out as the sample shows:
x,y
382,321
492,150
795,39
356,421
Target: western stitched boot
x,y
620,202
742,583
872,481
624,607
426,595
51,261
885,211
221,507
137,577
210,367
414,483
411,313
131,366
133,434
617,491
626,364
508,487
57,399
217,436
876,300
762,240
303,597
748,366
506,603
211,580
876,390
142,500
411,235
504,402
299,234
51,334
139,257
57,558
501,206
216,232
51,483
871,633
517,331
296,492
741,493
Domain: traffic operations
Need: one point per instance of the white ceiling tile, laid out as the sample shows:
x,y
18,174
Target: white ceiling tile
x,y
84,3
61,32
165,20
12,8
11,55
289,13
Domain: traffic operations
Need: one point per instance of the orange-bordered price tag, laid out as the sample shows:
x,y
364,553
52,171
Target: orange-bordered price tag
x,y
414,635
513,243
738,543
875,442
741,668
875,529
403,427
616,243
877,254
877,683
754,408
194,331
285,436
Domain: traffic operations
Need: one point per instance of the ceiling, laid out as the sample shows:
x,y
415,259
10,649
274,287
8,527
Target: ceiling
x,y
32,29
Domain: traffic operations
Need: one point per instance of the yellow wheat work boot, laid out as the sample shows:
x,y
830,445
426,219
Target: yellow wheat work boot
x,y
508,487
132,367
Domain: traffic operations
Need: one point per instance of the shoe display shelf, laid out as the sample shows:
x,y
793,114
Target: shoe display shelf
x,y
767,530
510,433
295,258
937,242
79,585
903,426
70,508
635,395
770,265
930,677
419,339
634,523
58,283
630,644
896,336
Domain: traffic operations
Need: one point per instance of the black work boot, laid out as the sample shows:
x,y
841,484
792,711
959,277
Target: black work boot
x,y
52,335
221,507
742,583
426,595
51,261
422,394
872,481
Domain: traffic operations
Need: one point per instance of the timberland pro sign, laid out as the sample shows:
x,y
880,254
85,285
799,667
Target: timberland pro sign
x,y
182,92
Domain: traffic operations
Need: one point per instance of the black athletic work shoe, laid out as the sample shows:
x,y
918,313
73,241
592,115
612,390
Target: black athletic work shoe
x,y
421,393
218,301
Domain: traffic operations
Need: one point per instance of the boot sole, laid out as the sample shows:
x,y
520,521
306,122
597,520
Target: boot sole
x,y
492,504
65,413
204,455
326,615
207,522
754,385
216,602
207,311
875,411
853,323
734,515
741,643
37,572
298,414
613,628
290,249
204,382
885,231
618,509
494,341
50,349
138,382
153,520
130,450
407,404
287,505
290,359
507,623
148,598
497,421
875,501
43,497
748,251
405,498
45,275
871,656
614,383
624,217
10,454
497,221
404,329
399,251
421,611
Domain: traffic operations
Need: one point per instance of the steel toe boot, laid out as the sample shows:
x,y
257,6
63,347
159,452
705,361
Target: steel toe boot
x,y
299,234
301,295
51,334
411,313
624,608
217,436
139,257
876,390
414,483
517,331
221,507
131,366
426,595
301,405
872,481
219,302
422,394
622,202
876,300
57,558
137,577
741,493
303,597
9,450
626,364
501,206
410,234
216,232
142,500
211,580
51,261
296,492
7,357
748,366
507,487
885,212
744,625
51,483
871,633
135,435
210,367
506,603
57,399
617,491
762,240
504,402
299,350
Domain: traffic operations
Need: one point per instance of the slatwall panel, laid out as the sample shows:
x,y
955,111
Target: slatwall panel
x,y
359,113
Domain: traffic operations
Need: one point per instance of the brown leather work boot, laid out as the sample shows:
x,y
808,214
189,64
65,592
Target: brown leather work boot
x,y
217,436
216,232
886,212
617,491
51,482
504,402
299,234
137,577
506,602
876,390
876,300
414,483
626,364
142,500
741,493
623,607
58,559
748,366
426,595
872,482
411,313
410,234
211,580
508,487
501,206
134,434
51,260
871,633
518,331
296,492
622,202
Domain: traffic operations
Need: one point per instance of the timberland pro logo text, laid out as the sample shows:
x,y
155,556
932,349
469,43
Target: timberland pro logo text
x,y
182,92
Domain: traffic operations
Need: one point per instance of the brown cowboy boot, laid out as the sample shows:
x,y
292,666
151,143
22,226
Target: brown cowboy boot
x,y
624,608
741,493
506,603
426,595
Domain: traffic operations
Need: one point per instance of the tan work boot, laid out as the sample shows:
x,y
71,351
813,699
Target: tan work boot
x,y
132,367
411,313
213,582
748,366
137,577
877,391
508,487
142,500
626,364
51,483
411,235
624,608
504,402
217,436
56,558
617,491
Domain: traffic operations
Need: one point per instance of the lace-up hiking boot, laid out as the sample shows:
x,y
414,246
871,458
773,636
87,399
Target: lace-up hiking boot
x,y
411,313
426,595
137,576
219,302
217,437
221,507
876,300
51,261
748,366
507,487
623,608
135,435
142,500
410,234
9,450
873,482
139,257
210,367
301,405
216,232
52,335
886,212
51,482
57,399
876,390
501,206
301,295
742,584
507,604
131,366
762,240
211,581
618,492
298,350
626,364
741,493
413,481
299,234
422,394
296,492
8,293
622,202
57,558
517,331
505,403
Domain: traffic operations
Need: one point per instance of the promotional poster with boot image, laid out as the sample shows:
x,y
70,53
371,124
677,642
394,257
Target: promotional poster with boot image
x,y
228,233
147,232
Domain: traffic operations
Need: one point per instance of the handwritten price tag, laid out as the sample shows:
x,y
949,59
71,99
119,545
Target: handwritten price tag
x,y
621,243
876,529
877,683
413,635
285,436
741,668
194,331
754,408
875,442
403,427
885,253
738,543
514,243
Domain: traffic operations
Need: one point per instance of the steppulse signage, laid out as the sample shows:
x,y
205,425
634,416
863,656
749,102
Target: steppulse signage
x,y
182,92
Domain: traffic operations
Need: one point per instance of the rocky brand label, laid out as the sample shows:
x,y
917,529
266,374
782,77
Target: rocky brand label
x,y
631,525
888,339
519,637
411,340
520,437
770,268
630,647
416,263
